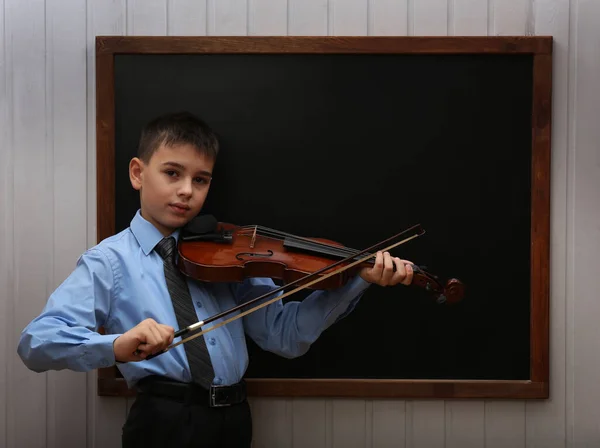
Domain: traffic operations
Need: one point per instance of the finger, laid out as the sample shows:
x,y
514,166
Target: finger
x,y
167,333
400,273
409,274
152,339
388,269
376,271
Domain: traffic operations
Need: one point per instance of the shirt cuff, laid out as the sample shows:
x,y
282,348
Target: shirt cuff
x,y
98,352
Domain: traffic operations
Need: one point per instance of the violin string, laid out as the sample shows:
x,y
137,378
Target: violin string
x,y
307,244
265,231
312,282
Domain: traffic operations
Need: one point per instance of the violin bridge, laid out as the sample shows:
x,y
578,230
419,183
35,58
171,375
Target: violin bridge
x,y
253,238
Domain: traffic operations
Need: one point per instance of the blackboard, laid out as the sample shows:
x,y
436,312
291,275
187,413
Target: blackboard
x,y
354,140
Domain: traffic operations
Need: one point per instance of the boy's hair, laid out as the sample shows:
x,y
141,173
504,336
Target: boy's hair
x,y
177,128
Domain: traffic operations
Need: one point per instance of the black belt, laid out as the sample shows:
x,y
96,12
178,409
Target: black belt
x,y
217,396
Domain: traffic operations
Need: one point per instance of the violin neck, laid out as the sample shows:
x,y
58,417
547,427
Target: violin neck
x,y
320,249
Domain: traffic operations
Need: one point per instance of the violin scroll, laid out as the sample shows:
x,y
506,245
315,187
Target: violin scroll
x,y
451,292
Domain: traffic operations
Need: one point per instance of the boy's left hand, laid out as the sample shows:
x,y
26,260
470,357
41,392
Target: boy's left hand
x,y
383,274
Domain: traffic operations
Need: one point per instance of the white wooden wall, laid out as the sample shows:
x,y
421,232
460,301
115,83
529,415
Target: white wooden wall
x,y
47,204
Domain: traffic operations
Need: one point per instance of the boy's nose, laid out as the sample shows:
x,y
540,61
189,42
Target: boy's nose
x,y
185,189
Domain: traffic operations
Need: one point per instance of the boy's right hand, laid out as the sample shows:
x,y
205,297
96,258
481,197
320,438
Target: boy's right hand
x,y
144,339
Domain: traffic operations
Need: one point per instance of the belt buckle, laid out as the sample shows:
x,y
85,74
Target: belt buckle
x,y
213,397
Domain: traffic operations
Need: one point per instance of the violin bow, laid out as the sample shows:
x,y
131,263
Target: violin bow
x,y
414,232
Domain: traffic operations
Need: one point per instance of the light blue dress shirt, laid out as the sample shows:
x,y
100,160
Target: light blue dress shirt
x,y
120,282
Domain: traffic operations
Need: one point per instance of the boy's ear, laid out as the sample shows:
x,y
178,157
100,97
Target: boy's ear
x,y
136,168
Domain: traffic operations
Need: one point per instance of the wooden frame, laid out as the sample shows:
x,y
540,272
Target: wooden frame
x,y
109,383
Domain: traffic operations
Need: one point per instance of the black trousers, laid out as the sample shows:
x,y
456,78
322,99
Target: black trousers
x,y
155,421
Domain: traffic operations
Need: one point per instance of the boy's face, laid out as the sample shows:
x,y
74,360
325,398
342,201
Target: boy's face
x,y
173,185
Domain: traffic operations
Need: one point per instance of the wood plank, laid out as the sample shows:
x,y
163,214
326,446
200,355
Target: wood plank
x,y
428,18
348,17
584,157
106,416
267,17
146,17
227,17
25,29
388,18
66,135
186,17
468,17
331,44
6,225
308,17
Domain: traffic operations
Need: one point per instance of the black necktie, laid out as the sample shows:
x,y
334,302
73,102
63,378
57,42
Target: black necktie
x,y
196,351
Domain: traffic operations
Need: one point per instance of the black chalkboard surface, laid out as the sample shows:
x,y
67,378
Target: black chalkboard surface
x,y
355,147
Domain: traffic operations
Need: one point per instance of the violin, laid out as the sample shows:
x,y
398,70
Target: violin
x,y
213,251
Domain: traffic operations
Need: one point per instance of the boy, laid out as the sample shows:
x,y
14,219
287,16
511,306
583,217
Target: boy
x,y
192,395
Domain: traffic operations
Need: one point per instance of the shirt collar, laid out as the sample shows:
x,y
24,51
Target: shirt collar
x,y
146,234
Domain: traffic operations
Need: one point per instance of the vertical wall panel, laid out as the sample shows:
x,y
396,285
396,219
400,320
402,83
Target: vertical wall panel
x,y
428,17
512,17
267,17
545,421
465,424
387,418
25,27
146,17
389,424
272,422
349,429
272,417
505,421
66,136
464,420
505,424
186,17
348,17
309,418
586,223
42,128
307,17
469,17
425,420
105,415
6,227
227,17
388,17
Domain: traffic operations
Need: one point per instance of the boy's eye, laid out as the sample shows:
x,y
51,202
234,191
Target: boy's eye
x,y
171,173
201,180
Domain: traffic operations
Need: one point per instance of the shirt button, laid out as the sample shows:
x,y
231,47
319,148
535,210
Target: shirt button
x,y
211,341
198,304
